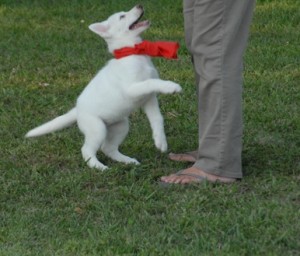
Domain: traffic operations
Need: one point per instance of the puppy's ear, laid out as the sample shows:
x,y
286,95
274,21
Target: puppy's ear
x,y
100,28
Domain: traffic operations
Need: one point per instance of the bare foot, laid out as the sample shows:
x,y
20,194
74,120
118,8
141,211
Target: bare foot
x,y
192,175
184,157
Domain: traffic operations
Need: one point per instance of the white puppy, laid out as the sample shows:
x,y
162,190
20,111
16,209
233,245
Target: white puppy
x,y
120,87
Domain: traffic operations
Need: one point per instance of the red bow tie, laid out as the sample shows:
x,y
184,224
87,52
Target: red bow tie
x,y
154,49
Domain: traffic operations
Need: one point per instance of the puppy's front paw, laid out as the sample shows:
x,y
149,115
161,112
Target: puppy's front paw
x,y
170,87
161,143
96,164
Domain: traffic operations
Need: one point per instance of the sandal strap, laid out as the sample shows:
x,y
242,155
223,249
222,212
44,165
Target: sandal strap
x,y
199,177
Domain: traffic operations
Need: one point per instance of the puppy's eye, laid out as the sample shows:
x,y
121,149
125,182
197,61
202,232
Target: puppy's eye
x,y
122,17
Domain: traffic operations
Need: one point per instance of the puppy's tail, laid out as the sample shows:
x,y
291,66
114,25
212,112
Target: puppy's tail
x,y
56,124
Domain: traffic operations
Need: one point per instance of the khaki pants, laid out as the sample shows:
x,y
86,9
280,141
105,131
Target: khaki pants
x,y
216,34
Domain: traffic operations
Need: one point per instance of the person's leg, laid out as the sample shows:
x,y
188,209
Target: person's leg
x,y
219,38
188,14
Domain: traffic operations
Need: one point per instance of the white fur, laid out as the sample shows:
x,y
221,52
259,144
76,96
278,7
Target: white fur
x,y
120,87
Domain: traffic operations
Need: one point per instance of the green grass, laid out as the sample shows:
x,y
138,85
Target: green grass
x,y
51,203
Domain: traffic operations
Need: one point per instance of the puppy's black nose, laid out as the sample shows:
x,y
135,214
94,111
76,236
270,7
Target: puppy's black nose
x,y
139,6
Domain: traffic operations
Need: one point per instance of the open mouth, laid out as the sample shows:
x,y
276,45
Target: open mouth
x,y
138,24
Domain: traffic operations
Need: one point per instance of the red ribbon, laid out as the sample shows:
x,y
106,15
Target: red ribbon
x,y
154,49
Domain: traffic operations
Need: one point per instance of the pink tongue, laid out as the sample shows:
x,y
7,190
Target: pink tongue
x,y
140,24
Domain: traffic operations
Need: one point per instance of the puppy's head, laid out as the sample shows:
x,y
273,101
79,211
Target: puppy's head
x,y
122,29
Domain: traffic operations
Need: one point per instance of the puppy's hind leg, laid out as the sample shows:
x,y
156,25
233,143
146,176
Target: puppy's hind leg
x,y
116,133
95,132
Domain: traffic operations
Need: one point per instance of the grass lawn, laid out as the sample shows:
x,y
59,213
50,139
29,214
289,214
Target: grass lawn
x,y
51,203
